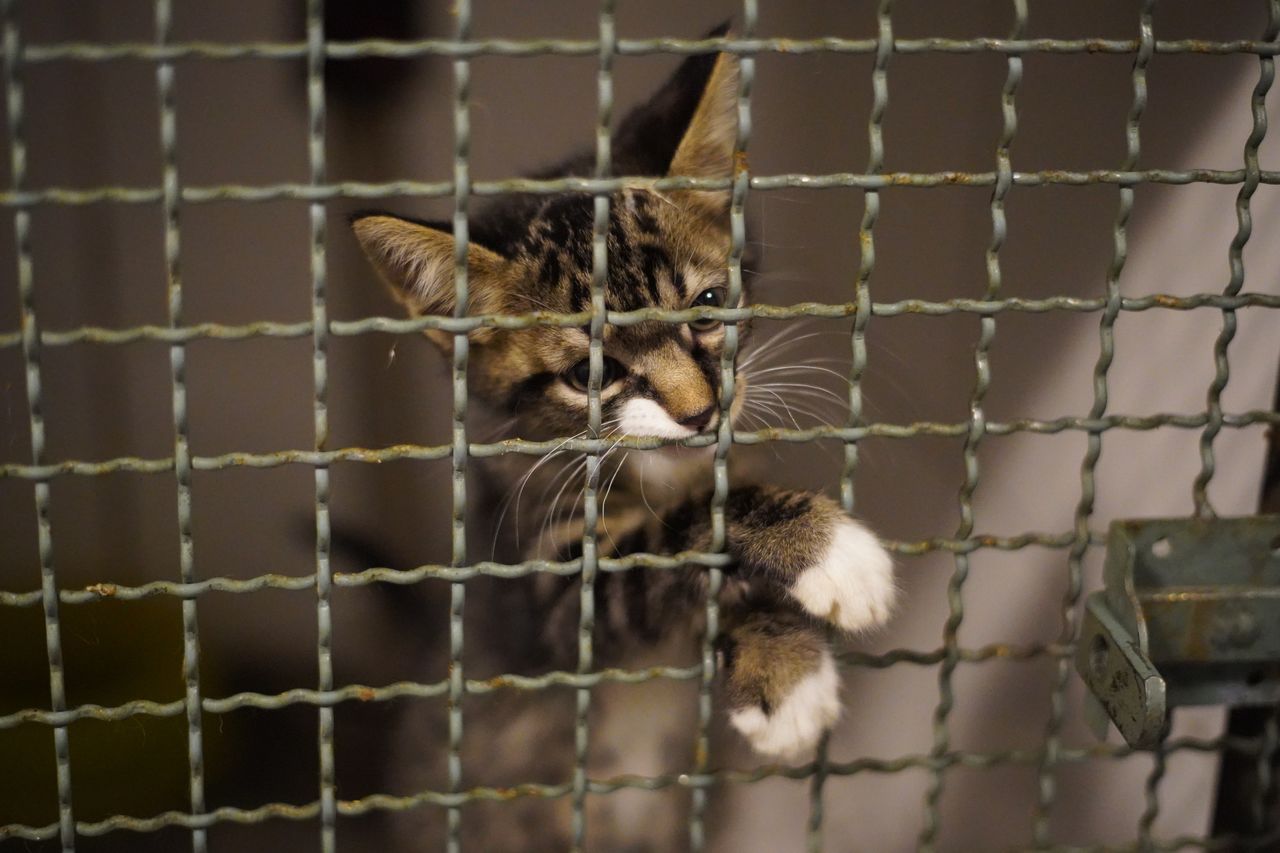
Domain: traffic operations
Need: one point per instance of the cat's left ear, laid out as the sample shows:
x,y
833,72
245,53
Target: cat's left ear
x,y
706,150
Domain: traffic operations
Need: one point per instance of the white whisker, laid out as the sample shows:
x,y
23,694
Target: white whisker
x,y
781,343
517,491
819,395
644,461
552,518
804,388
609,489
798,368
784,405
549,520
757,419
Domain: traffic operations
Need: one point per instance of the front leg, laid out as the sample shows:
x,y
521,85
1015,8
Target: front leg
x,y
827,562
780,680
794,553
796,545
781,677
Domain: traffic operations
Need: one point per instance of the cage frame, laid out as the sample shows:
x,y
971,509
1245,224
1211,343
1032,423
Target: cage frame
x,y
172,195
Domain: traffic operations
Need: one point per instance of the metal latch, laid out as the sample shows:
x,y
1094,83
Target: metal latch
x,y
1189,615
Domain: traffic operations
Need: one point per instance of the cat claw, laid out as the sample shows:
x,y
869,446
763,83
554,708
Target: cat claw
x,y
793,726
852,585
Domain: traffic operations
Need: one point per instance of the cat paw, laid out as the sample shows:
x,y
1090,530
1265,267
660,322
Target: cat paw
x,y
851,586
790,728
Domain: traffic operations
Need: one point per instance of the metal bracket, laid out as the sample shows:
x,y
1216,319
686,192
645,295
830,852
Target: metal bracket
x,y
1189,614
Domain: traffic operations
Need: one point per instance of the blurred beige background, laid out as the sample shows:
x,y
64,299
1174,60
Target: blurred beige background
x,y
244,122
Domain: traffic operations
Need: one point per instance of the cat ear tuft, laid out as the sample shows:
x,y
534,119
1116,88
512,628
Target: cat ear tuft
x,y
707,148
418,262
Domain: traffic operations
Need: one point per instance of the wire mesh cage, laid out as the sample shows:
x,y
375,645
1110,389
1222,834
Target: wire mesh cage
x,y
197,672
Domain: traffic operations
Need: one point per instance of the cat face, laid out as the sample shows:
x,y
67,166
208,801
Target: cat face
x,y
667,250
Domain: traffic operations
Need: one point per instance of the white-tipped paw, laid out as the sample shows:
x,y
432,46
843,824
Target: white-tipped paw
x,y
793,726
851,586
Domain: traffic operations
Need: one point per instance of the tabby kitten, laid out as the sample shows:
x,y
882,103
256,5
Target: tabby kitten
x,y
800,564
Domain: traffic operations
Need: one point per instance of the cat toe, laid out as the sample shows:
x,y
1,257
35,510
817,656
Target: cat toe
x,y
851,586
790,728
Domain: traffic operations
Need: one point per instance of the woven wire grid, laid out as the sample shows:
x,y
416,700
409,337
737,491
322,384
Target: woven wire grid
x,y
172,195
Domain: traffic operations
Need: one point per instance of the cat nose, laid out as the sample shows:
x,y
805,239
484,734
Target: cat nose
x,y
699,421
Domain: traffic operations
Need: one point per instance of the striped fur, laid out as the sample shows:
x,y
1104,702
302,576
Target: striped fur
x,y
800,565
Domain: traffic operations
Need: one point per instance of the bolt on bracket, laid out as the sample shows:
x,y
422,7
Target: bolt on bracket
x,y
1189,614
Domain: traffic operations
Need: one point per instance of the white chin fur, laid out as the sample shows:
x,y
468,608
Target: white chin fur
x,y
643,417
852,585
799,720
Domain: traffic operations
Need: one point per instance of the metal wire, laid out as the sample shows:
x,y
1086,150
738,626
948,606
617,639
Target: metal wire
x,y
412,48
858,334
171,195
973,438
1262,792
133,464
389,803
1147,820
1093,447
389,325
1235,259
182,442
740,181
458,448
48,597
404,689
320,407
595,358
366,191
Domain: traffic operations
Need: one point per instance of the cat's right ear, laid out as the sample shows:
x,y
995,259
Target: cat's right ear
x,y
706,149
418,262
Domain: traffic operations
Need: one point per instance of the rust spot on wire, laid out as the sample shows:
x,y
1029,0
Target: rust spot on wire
x,y
503,794
1057,176
1200,46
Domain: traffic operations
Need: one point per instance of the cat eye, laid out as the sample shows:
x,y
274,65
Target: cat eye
x,y
580,374
711,298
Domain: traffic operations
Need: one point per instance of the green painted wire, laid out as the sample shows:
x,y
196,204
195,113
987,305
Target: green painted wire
x,y
1046,787
193,705
31,344
1235,263
591,488
974,436
459,444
